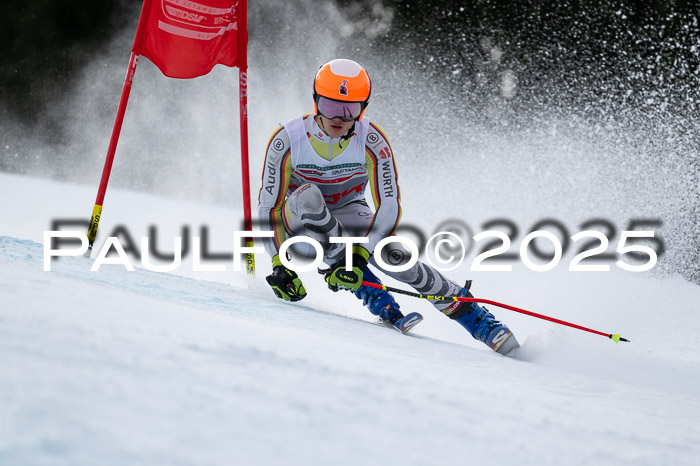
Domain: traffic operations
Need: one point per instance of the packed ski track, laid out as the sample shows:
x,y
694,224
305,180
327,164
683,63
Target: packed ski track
x,y
119,367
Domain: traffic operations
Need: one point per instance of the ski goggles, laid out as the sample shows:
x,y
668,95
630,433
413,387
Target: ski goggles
x,y
346,111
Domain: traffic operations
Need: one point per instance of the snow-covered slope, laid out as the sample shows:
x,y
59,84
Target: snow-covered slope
x,y
117,367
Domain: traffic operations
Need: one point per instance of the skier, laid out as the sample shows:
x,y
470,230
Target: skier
x,y
316,170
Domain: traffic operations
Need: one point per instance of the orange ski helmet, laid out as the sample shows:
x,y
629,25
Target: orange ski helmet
x,y
342,89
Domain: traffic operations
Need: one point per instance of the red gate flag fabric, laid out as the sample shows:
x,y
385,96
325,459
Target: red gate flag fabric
x,y
186,38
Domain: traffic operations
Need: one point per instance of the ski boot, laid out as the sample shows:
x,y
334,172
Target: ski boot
x,y
382,304
482,325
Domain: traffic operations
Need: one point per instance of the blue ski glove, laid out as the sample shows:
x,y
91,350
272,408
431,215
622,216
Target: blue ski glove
x,y
340,279
284,282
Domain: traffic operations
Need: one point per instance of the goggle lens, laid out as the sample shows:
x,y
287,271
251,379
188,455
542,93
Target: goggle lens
x,y
346,111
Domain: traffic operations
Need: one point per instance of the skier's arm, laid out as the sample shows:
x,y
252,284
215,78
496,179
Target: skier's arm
x,y
277,171
384,186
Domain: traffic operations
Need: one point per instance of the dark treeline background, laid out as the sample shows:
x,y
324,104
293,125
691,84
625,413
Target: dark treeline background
x,y
44,43
545,43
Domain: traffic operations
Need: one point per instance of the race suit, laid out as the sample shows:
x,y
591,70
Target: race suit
x,y
315,185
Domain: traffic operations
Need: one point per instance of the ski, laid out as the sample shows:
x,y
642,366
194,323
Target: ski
x,y
404,324
503,342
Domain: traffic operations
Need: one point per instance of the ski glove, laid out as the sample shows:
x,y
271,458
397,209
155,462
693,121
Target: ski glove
x,y
340,279
284,282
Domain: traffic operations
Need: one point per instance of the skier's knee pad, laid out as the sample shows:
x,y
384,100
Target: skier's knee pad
x,y
308,199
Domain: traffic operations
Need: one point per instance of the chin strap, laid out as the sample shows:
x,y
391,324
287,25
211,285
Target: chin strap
x,y
348,135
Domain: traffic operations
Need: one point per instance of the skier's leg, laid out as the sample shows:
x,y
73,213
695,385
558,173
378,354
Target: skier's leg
x,y
478,321
379,302
306,213
355,219
421,277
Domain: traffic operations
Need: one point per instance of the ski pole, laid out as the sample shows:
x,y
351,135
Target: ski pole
x,y
615,337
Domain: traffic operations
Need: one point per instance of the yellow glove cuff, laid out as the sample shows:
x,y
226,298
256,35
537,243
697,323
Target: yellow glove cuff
x,y
361,251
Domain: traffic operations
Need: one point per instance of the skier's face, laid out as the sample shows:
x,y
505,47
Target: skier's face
x,y
334,127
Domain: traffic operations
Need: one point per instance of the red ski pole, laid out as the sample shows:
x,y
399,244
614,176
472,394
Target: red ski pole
x,y
615,337
99,201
